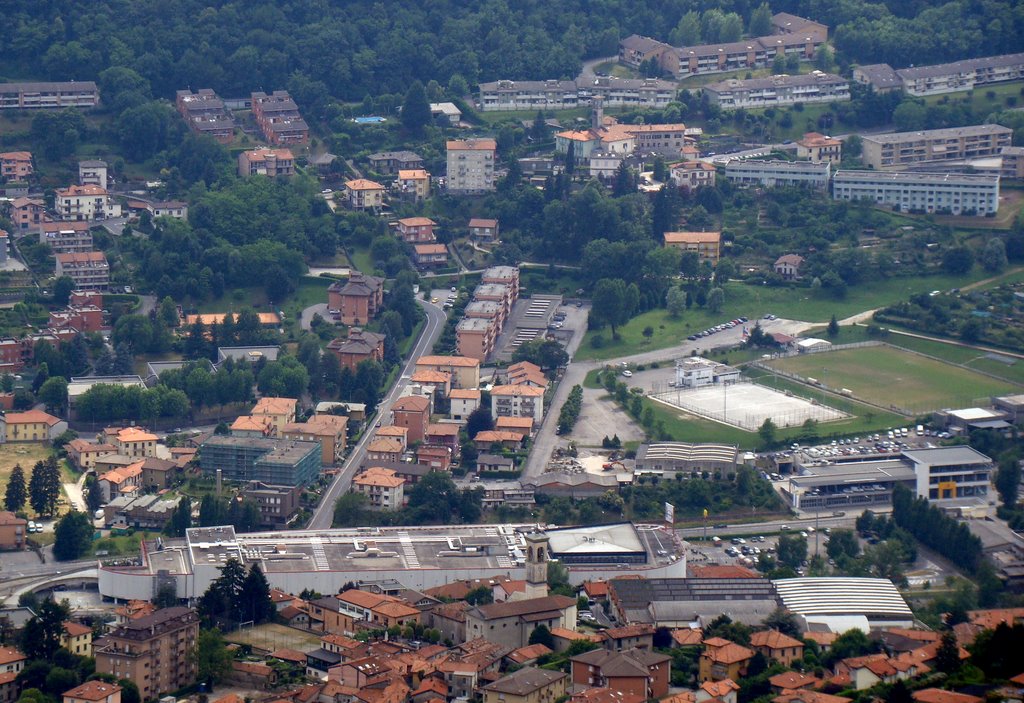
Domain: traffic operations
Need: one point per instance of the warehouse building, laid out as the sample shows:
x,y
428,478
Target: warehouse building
x,y
670,459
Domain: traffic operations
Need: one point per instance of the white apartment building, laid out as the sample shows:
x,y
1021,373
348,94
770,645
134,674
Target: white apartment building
x,y
92,173
814,87
85,203
518,401
809,174
961,75
955,193
899,149
528,95
471,165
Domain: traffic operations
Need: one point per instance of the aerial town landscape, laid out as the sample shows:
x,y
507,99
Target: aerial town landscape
x,y
651,352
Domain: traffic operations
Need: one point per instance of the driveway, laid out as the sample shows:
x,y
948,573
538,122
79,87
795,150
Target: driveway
x,y
306,317
76,494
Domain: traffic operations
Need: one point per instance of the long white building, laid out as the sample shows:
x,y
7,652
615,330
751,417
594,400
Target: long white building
x,y
814,87
565,95
943,78
772,173
418,557
953,193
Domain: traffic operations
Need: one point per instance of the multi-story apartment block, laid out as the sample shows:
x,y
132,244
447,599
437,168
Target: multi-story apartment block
x,y
277,462
518,401
693,174
330,431
475,337
707,245
66,237
85,319
92,173
953,193
16,165
89,270
277,504
818,147
88,202
771,174
627,92
635,49
942,78
416,230
48,96
153,652
388,163
505,276
413,184
205,113
900,149
528,95
363,194
815,87
880,76
382,487
463,371
357,300
28,213
471,165
266,162
359,346
1013,162
278,118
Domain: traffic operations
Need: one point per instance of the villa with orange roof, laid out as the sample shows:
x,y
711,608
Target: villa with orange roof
x,y
363,194
16,165
462,402
705,244
413,184
382,487
394,432
387,450
778,646
793,681
464,372
93,692
416,230
135,442
122,481
441,381
723,659
938,695
30,426
376,609
505,438
525,373
280,411
808,696
76,638
522,425
687,637
724,690
253,426
641,672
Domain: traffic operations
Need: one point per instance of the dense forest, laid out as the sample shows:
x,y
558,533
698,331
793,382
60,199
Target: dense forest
x,y
321,48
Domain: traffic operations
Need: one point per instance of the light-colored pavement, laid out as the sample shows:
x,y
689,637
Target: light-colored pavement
x,y
587,70
76,494
324,514
602,417
306,317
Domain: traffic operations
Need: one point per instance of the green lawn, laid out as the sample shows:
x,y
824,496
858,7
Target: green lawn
x,y
981,104
890,377
308,291
755,301
360,258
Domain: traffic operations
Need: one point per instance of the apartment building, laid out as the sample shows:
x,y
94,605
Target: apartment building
x,y
279,411
817,147
1013,162
383,489
430,256
357,347
13,530
266,162
329,431
517,401
277,504
693,174
88,202
134,442
66,237
278,118
364,194
707,245
89,270
153,652
527,685
528,95
12,662
28,213
814,87
412,413
416,230
463,371
475,337
413,184
15,165
93,691
389,163
471,165
626,92
953,193
880,76
635,49
205,113
772,174
277,462
899,149
665,139
942,78
358,299
48,96
92,173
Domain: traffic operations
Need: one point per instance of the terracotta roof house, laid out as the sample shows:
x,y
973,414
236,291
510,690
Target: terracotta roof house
x,y
793,681
938,695
357,300
635,671
778,646
359,346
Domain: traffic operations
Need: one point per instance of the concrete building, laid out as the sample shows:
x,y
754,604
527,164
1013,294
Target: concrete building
x,y
153,652
880,76
92,173
30,426
266,162
707,245
277,462
277,504
13,531
48,96
363,194
85,203
517,401
327,559
413,184
697,372
952,193
950,473
772,174
961,75
205,113
383,488
635,50
693,174
753,93
359,346
89,270
471,165
329,431
389,163
463,401
900,149
817,147
528,95
278,118
66,237
511,623
475,337
668,459
15,165
463,371
527,685
1013,162
358,299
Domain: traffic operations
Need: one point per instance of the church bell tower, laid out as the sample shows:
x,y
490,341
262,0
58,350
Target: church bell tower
x,y
536,565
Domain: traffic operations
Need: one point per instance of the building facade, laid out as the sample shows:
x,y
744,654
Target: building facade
x,y
899,149
273,461
815,87
471,165
952,193
772,174
48,96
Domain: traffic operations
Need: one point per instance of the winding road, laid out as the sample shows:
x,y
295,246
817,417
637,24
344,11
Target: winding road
x,y
323,516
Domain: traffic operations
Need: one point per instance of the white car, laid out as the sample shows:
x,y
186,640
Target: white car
x,y
627,373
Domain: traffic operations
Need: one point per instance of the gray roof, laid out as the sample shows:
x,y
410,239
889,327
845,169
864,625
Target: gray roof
x,y
960,454
778,165
947,133
530,86
908,177
966,66
636,42
880,75
525,681
44,87
734,84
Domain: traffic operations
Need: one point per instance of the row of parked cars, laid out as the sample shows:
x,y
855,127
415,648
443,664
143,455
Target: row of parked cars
x,y
717,328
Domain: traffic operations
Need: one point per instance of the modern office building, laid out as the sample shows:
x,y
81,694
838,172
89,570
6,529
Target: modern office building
x,y
952,193
900,149
277,462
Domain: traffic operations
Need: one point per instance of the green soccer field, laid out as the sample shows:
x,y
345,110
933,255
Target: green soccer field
x,y
890,377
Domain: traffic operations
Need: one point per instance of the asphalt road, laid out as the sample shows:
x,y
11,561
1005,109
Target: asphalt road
x,y
324,514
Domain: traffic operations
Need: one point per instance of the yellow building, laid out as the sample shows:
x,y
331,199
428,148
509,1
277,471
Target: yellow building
x,y
706,244
135,442
414,184
723,659
463,371
30,426
77,638
280,411
331,431
362,194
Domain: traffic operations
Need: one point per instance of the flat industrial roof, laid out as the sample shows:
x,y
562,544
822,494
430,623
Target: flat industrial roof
x,y
685,451
957,454
842,596
854,473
